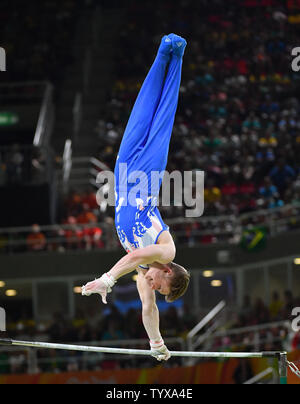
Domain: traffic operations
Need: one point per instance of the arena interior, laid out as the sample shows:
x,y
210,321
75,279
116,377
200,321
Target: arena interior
x,y
72,73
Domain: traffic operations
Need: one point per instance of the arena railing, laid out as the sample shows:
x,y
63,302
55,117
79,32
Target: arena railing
x,y
22,91
83,172
10,242
270,213
253,333
35,168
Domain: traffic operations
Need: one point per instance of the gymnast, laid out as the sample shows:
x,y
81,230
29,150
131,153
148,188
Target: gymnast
x,y
143,234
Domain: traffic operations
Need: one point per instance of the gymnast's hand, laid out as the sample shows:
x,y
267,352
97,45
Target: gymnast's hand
x,y
102,286
159,351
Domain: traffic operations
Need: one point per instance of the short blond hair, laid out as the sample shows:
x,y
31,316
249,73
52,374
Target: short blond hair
x,y
179,282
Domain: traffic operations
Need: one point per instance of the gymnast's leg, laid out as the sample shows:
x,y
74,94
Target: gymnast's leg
x,y
154,155
144,109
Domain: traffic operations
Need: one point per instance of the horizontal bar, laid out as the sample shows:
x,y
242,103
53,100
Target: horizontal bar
x,y
113,343
84,348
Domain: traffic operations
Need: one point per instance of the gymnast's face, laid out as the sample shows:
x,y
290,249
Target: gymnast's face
x,y
159,278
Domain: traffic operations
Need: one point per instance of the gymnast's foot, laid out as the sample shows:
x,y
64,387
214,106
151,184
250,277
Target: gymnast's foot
x,y
165,46
178,45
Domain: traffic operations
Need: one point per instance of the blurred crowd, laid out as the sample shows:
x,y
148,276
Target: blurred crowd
x,y
238,113
23,165
81,227
37,37
91,327
275,338
237,119
112,325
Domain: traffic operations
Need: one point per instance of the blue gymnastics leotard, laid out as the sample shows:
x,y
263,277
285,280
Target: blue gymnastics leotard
x,y
145,147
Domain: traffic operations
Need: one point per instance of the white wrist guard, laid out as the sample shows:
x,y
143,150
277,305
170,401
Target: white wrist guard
x,y
159,351
157,344
108,280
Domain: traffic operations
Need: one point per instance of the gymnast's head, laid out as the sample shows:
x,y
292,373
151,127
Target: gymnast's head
x,y
171,280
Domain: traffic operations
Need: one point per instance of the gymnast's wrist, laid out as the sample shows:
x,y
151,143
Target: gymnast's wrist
x,y
109,280
156,343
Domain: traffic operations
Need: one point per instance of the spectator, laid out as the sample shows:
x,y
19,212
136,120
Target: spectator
x,y
245,314
276,306
73,234
243,371
260,312
14,166
86,216
113,332
281,174
295,343
17,362
288,304
93,236
36,241
238,111
268,190
211,193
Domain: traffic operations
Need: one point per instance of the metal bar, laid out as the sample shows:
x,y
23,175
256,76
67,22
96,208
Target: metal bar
x,y
220,306
99,164
67,161
282,365
241,217
251,328
24,84
240,345
84,348
77,115
87,70
208,334
290,285
260,376
54,227
42,116
280,356
171,340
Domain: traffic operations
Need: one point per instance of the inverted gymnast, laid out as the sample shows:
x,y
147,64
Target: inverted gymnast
x,y
141,230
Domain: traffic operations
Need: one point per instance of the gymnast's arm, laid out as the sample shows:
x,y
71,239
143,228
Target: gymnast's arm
x,y
149,308
161,253
150,316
